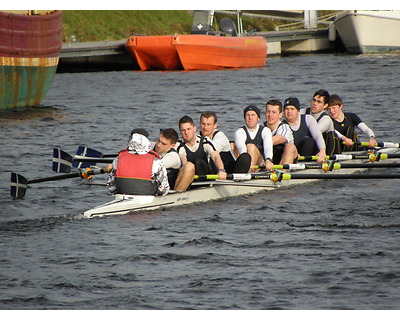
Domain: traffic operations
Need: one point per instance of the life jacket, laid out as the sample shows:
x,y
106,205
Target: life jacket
x,y
257,141
134,173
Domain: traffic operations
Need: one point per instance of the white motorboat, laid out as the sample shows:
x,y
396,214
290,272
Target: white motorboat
x,y
369,31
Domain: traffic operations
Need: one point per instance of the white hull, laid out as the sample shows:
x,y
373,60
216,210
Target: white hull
x,y
208,191
127,203
369,31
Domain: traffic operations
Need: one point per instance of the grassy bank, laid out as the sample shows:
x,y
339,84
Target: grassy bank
x,y
98,25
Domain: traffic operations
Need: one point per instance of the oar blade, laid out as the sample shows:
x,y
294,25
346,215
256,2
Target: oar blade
x,y
86,152
62,161
19,184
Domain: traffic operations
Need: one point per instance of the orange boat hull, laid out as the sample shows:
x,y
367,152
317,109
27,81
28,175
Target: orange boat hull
x,y
197,52
204,52
154,52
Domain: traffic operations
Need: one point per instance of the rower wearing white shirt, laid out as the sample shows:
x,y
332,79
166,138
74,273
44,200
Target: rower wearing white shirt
x,y
255,139
208,128
307,135
285,152
195,152
165,147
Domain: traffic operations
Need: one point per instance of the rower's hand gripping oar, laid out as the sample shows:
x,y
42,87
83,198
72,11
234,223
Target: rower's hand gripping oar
x,y
19,183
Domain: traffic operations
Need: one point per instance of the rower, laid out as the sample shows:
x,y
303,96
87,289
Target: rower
x,y
255,139
319,103
165,147
345,124
307,135
285,151
208,125
138,170
195,152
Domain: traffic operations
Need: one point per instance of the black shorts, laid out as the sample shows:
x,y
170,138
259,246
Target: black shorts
x,y
278,152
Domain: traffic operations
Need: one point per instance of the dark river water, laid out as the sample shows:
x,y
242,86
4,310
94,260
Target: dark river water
x,y
327,245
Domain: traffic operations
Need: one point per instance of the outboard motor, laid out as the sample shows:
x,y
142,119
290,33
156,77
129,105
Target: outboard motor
x,y
202,22
228,26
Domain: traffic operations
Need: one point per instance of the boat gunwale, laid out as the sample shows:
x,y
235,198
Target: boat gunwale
x,y
351,13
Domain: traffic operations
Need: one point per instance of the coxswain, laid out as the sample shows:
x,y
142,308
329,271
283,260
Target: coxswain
x,y
138,170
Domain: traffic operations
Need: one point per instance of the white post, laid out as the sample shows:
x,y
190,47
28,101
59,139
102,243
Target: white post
x,y
239,23
310,19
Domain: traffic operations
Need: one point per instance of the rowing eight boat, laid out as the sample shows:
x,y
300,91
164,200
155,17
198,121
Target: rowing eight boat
x,y
217,189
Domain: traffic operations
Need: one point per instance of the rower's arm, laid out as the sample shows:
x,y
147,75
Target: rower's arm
x,y
315,132
267,143
278,139
240,140
364,128
219,164
325,124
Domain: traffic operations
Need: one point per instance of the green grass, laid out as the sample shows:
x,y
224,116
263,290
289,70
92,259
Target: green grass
x,y
98,25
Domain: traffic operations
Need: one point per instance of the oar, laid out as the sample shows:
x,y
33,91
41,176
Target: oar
x,y
378,144
63,162
293,166
86,152
279,176
329,166
19,183
374,156
80,159
89,152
